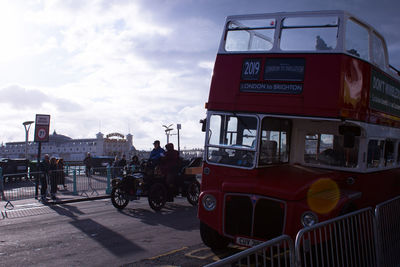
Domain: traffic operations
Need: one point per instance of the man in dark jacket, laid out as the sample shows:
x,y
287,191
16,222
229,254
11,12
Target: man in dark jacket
x,y
44,176
170,165
156,153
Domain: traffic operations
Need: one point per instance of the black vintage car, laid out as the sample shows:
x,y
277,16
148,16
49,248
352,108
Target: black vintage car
x,y
14,169
100,163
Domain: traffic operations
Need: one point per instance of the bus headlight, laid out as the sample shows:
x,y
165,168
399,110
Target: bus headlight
x,y
309,218
209,202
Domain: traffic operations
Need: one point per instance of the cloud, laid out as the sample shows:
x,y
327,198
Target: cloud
x,y
128,65
21,98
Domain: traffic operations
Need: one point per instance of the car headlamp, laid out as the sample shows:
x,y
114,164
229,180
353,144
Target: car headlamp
x,y
309,218
209,202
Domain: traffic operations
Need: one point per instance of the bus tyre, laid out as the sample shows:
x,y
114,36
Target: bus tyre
x,y
157,196
193,193
211,238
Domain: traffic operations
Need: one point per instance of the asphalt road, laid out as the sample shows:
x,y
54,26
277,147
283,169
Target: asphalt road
x,y
94,233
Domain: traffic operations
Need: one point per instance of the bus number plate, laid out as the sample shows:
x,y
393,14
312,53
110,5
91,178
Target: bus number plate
x,y
247,242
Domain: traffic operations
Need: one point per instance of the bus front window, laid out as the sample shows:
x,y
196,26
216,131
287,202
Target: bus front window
x,y
231,140
309,33
250,35
275,136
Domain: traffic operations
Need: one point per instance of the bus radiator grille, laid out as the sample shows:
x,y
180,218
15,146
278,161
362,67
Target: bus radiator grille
x,y
255,217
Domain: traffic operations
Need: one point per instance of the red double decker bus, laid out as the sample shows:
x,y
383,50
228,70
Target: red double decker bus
x,y
303,124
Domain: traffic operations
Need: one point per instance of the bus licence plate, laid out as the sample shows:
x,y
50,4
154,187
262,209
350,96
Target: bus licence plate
x,y
247,242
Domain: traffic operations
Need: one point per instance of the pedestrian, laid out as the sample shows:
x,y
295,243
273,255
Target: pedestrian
x,y
44,167
122,163
115,166
53,177
61,174
88,164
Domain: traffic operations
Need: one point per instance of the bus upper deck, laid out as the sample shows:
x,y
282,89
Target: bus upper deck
x,y
325,64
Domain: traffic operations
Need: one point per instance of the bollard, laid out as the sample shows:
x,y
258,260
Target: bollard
x,y
75,192
66,169
108,190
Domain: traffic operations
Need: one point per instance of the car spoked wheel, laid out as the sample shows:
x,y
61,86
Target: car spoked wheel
x,y
193,193
157,196
119,198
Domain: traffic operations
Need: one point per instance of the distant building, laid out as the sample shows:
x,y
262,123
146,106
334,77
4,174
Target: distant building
x,y
69,149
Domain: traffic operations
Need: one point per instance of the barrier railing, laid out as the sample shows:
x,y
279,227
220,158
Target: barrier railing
x,y
275,252
347,240
388,232
72,180
360,238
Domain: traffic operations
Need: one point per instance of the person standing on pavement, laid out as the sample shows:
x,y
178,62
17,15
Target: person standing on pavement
x,y
122,163
88,164
53,177
44,167
61,174
115,166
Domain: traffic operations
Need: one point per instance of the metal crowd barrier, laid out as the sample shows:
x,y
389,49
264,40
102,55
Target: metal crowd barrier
x,y
72,180
360,238
347,240
275,252
388,232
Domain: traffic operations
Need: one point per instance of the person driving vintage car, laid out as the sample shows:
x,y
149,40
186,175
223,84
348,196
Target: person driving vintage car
x,y
170,165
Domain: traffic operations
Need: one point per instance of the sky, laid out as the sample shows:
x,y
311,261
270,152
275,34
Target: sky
x,y
131,66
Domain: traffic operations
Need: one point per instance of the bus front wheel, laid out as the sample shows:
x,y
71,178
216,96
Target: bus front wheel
x,y
211,238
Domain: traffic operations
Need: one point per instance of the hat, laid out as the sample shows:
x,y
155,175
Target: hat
x,y
156,142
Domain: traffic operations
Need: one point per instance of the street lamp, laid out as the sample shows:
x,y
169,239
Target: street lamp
x,y
168,129
27,125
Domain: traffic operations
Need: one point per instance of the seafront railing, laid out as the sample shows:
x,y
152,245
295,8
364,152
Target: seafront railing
x,y
72,180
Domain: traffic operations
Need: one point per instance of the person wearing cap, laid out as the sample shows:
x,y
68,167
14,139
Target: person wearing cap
x,y
156,153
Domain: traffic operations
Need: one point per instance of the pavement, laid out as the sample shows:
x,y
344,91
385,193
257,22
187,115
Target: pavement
x,y
62,197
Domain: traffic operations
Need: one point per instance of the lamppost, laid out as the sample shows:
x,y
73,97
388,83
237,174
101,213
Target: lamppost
x,y
168,129
27,125
178,126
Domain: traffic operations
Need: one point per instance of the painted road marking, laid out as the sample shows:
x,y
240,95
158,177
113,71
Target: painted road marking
x,y
168,253
200,257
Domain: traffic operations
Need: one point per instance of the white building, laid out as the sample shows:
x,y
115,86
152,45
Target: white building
x,y
69,149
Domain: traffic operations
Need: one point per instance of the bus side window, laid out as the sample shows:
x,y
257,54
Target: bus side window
x,y
357,40
389,153
378,52
375,149
398,153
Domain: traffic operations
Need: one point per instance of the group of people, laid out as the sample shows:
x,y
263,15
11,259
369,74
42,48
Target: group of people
x,y
52,171
167,161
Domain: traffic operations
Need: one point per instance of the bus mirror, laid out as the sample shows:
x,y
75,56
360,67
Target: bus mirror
x,y
349,133
203,125
349,130
348,141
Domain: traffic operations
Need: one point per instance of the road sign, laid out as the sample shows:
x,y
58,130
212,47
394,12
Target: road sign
x,y
42,128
